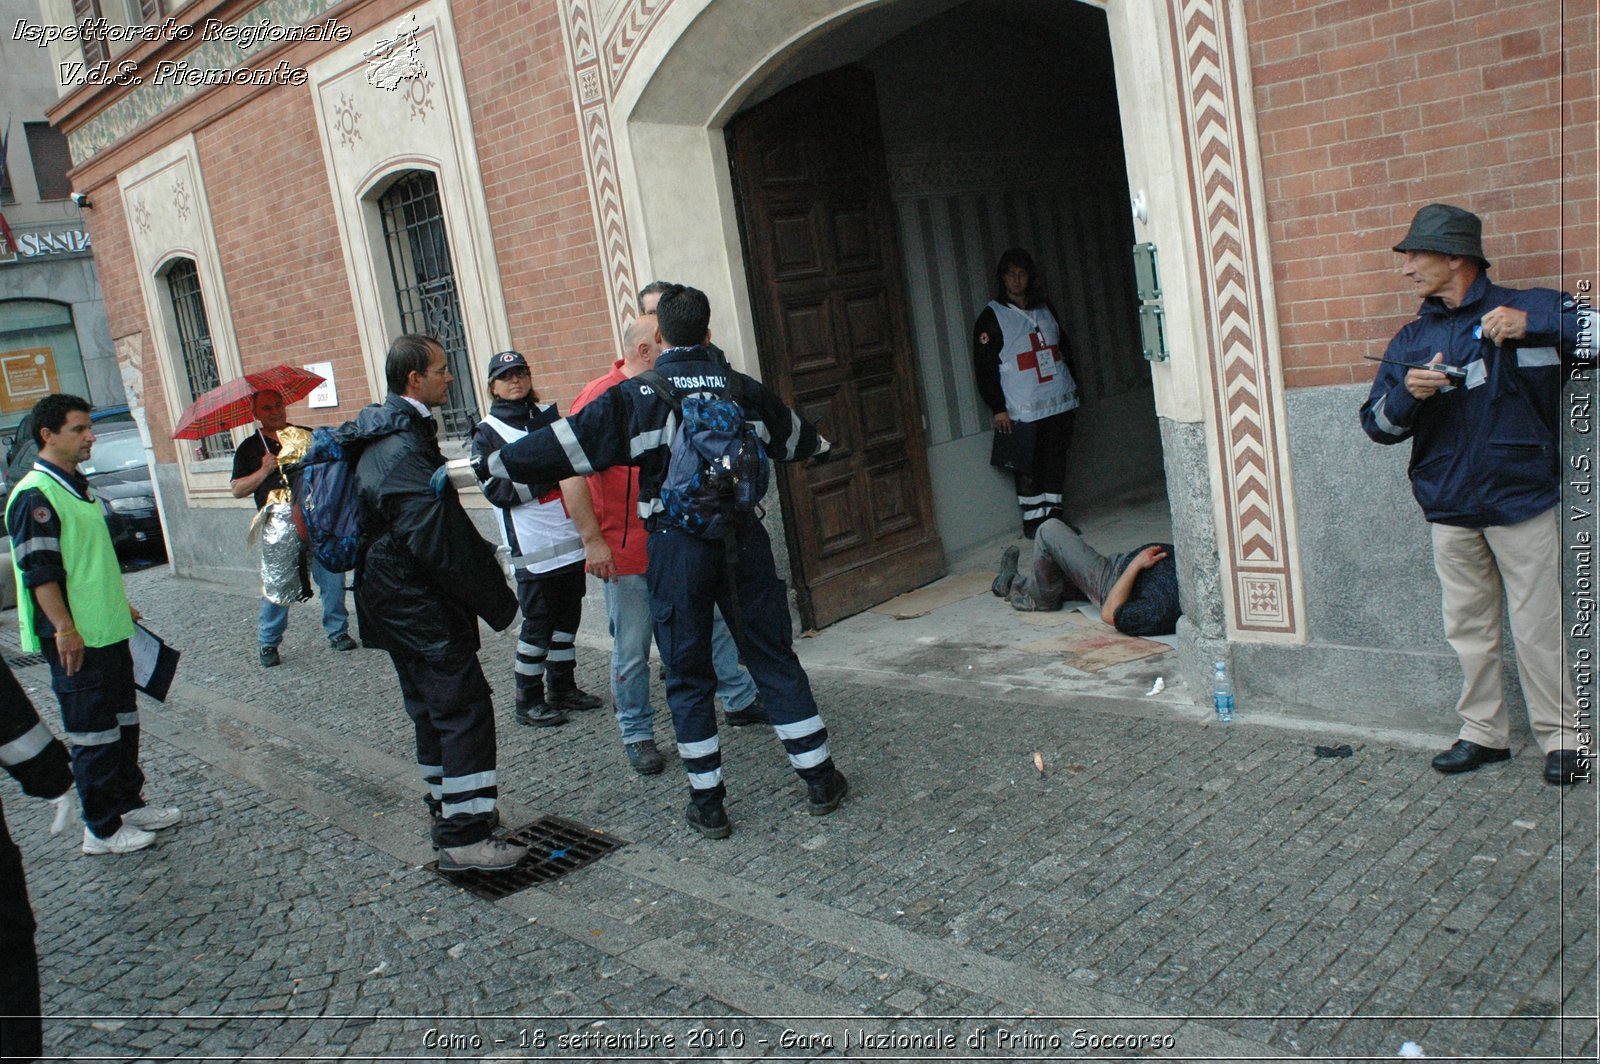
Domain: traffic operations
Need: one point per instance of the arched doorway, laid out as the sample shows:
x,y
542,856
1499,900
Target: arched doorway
x,y
657,82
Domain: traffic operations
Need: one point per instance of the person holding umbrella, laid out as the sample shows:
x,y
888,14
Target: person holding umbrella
x,y
264,398
256,473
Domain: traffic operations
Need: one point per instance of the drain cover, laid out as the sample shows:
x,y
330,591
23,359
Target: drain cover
x,y
556,846
22,661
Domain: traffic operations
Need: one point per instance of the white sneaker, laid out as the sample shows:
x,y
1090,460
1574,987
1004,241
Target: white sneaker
x,y
153,817
127,839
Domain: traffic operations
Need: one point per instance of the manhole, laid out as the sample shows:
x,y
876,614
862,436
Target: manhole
x,y
556,846
22,661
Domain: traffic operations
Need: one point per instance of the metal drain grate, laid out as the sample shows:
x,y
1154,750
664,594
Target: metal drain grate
x,y
556,846
22,661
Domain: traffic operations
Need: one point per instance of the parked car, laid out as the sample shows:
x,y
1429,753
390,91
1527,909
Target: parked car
x,y
24,448
120,477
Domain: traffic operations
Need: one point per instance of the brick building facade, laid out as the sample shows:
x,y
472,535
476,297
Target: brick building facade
x,y
577,148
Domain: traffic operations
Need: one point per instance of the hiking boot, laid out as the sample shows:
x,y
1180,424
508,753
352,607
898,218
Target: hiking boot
x,y
539,715
754,713
342,641
1023,602
644,757
570,699
1007,574
269,657
823,796
153,817
127,839
712,822
489,855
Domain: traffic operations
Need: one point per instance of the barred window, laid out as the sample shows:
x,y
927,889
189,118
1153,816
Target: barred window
x,y
194,342
425,285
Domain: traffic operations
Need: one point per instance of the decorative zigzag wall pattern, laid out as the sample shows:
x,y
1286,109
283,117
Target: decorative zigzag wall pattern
x,y
592,84
1255,558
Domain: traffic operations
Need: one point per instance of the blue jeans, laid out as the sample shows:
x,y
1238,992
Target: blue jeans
x,y
335,618
628,611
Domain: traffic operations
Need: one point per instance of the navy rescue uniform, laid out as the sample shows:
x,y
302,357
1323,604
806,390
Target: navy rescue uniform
x,y
629,424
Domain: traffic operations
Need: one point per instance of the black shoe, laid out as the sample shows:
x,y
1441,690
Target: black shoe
x,y
824,795
342,641
1561,768
754,713
571,699
712,822
269,657
1007,574
644,757
1465,756
539,715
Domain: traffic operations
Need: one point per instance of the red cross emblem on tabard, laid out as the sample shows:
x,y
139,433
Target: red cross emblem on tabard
x,y
1041,359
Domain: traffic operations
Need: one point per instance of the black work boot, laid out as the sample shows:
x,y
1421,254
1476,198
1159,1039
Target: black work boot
x,y
564,695
824,795
709,820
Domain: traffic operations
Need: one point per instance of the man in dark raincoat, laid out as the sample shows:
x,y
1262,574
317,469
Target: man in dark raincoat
x,y
424,579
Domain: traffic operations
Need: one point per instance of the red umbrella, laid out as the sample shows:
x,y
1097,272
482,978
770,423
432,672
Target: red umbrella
x,y
230,405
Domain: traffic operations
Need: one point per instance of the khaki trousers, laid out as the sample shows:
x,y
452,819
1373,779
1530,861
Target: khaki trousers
x,y
1473,563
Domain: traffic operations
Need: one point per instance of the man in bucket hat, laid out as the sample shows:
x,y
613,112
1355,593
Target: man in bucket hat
x,y
1485,467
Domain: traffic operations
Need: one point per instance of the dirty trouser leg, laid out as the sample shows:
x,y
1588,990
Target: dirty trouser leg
x,y
766,640
100,713
1470,582
449,704
683,576
1058,549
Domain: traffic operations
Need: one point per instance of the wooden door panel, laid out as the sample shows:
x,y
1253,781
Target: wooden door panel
x,y
826,287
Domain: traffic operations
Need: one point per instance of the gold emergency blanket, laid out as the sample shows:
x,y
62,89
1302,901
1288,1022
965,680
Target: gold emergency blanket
x,y
281,580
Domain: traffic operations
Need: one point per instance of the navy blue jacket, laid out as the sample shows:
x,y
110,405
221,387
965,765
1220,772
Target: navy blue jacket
x,y
629,424
1484,452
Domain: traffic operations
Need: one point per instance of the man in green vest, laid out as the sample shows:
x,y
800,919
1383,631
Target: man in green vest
x,y
72,607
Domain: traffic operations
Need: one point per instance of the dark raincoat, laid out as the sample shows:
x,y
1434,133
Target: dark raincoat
x,y
426,574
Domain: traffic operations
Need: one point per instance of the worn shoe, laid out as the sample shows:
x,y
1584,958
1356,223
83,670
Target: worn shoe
x,y
1561,768
269,657
127,839
712,823
644,757
540,715
153,817
489,855
824,795
754,713
1465,756
343,641
1007,574
571,699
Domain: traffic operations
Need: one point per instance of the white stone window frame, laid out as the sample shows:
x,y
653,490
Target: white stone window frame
x,y
169,216
371,136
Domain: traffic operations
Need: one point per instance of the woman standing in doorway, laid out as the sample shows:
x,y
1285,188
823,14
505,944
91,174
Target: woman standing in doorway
x,y
1019,355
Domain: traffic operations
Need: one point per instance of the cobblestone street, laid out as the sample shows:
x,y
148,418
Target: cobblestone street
x,y
1167,887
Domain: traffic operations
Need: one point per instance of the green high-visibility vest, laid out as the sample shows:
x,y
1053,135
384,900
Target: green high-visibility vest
x,y
94,591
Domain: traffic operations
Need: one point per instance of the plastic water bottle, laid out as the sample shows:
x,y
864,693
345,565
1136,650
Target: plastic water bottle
x,y
1222,692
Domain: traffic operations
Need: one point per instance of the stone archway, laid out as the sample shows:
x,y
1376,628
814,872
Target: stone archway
x,y
654,82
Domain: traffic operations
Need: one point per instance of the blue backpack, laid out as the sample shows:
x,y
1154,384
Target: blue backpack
x,y
718,471
326,496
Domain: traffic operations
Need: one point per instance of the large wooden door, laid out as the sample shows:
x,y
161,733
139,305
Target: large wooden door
x,y
825,283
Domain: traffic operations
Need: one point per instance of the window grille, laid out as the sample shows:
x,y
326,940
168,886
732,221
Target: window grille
x,y
425,285
194,340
